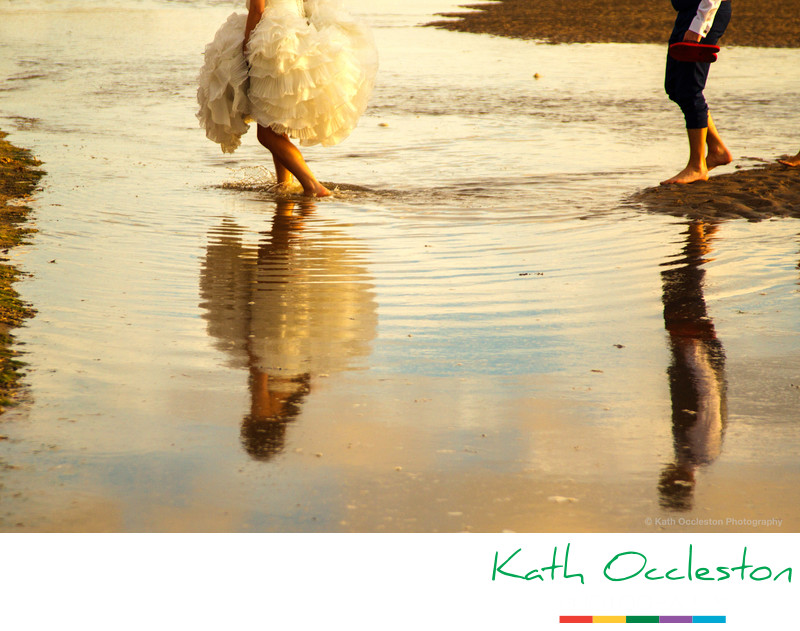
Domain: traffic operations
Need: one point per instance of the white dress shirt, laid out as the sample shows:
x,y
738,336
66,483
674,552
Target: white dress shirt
x,y
705,16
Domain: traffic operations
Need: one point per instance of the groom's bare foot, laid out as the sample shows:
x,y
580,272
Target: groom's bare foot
x,y
794,161
718,158
688,175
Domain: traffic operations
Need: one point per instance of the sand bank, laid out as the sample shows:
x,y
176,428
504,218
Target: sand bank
x,y
753,194
763,23
18,178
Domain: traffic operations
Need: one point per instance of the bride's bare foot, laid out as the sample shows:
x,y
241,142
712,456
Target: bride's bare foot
x,y
688,175
316,190
718,158
793,161
281,188
323,192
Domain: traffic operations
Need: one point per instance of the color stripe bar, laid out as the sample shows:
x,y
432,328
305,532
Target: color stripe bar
x,y
643,619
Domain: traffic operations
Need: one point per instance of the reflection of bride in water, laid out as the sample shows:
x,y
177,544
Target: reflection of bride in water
x,y
697,373
288,308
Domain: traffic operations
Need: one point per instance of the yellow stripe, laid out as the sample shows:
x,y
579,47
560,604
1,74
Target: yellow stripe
x,y
608,619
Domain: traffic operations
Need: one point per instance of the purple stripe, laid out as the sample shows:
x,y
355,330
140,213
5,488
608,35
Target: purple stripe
x,y
663,619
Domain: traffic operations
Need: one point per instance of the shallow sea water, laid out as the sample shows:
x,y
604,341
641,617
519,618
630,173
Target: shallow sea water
x,y
476,333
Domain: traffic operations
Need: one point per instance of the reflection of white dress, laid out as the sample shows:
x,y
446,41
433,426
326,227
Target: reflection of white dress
x,y
301,307
309,73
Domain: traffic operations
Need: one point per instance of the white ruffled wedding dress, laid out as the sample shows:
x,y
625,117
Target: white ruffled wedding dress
x,y
308,72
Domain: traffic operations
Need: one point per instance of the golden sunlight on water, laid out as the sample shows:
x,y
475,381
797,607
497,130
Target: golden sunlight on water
x,y
477,332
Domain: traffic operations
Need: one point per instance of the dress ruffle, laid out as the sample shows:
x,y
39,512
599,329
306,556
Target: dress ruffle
x,y
222,92
309,77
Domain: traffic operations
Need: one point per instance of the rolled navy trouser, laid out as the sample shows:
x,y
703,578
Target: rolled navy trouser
x,y
685,81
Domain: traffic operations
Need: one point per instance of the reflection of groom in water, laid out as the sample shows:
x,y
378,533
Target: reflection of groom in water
x,y
288,309
697,373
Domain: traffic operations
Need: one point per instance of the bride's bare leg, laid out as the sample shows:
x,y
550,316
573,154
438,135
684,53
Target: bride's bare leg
x,y
289,156
282,175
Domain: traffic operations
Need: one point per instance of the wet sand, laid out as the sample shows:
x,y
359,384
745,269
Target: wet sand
x,y
762,23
